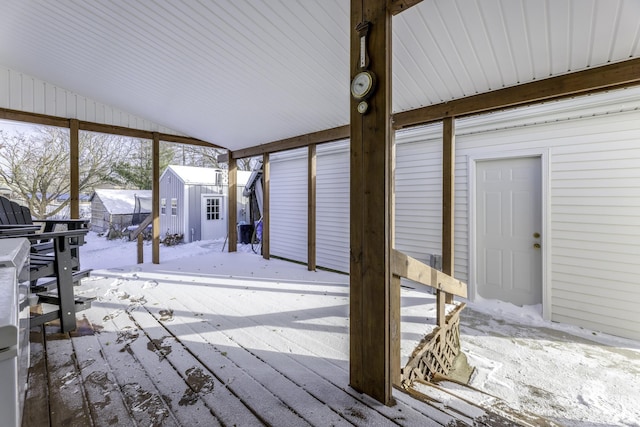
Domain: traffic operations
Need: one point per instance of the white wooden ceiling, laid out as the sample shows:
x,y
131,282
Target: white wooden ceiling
x,y
241,73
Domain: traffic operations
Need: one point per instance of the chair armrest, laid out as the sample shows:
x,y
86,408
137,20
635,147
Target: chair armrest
x,y
17,229
72,224
49,235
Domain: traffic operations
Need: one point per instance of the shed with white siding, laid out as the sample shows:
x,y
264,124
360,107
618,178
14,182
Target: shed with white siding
x,y
193,202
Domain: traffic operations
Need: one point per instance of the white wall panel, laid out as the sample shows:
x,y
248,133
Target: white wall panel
x,y
19,91
418,187
332,205
288,205
594,201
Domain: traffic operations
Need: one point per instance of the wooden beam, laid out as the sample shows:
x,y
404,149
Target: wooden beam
x,y
397,6
155,198
311,208
232,216
74,169
36,119
266,195
448,199
329,135
613,76
405,266
46,120
372,316
167,137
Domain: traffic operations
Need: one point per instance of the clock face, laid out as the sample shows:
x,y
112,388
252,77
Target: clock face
x,y
362,85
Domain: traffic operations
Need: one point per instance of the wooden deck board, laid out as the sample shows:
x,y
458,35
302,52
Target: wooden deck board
x,y
106,403
176,349
68,405
36,411
248,360
322,377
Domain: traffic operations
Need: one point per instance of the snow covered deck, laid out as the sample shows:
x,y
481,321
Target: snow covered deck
x,y
232,339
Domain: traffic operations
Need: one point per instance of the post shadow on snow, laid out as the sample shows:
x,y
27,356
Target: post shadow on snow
x,y
299,315
294,319
192,279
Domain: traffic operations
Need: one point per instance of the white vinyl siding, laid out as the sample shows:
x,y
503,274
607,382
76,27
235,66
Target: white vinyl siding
x,y
332,206
172,188
19,91
418,192
593,206
288,205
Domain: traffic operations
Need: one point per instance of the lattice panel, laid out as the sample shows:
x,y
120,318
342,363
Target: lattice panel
x,y
436,352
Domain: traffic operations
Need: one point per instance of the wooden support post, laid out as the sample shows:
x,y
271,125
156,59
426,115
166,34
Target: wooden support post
x,y
265,205
311,209
448,197
140,248
155,198
74,168
373,320
232,210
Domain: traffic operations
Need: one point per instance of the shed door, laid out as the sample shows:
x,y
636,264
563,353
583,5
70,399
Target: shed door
x,y
508,230
213,223
332,206
288,204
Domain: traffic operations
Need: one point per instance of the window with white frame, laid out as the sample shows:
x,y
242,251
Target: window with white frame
x,y
174,207
163,206
213,208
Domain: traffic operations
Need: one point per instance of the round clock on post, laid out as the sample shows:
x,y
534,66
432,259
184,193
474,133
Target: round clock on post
x,y
362,87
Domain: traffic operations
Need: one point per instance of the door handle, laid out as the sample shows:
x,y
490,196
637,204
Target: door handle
x,y
536,245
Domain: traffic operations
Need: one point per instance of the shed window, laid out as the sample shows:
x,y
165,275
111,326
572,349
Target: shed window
x,y
174,207
163,206
213,209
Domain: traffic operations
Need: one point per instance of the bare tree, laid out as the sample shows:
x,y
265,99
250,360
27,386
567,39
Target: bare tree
x,y
36,165
193,155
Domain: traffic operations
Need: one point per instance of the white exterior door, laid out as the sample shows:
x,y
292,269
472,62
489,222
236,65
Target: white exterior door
x,y
213,224
508,230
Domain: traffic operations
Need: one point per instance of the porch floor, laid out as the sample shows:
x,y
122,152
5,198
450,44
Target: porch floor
x,y
267,345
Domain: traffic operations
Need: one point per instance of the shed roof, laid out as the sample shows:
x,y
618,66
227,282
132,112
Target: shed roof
x,y
118,202
242,73
192,175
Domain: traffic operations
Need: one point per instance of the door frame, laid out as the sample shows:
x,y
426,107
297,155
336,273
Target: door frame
x,y
223,210
543,155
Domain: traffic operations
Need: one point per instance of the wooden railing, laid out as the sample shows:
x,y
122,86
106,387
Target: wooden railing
x,y
410,268
437,351
137,233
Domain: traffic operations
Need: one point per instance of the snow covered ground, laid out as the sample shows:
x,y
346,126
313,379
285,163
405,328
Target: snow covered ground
x,y
573,376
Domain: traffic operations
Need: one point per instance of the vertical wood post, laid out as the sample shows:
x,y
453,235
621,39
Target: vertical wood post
x,y
140,248
311,209
265,205
74,168
155,198
232,209
373,315
448,197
